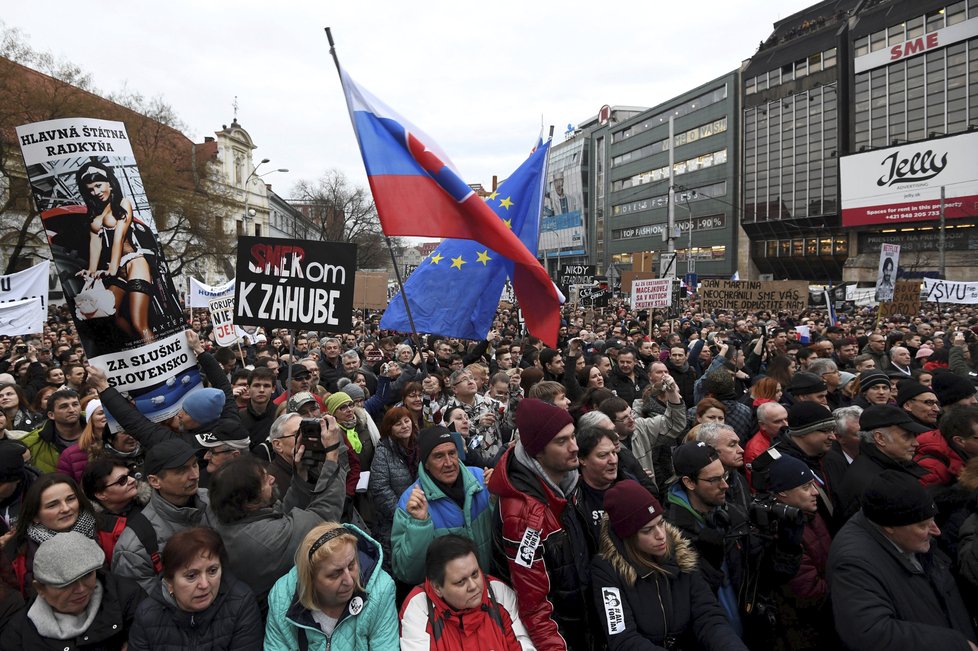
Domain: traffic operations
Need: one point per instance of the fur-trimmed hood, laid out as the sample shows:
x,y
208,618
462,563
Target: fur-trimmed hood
x,y
682,558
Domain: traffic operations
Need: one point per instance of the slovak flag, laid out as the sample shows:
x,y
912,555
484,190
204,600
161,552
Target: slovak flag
x,y
418,193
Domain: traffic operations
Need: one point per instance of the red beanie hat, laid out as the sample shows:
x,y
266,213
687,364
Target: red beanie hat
x,y
539,422
630,507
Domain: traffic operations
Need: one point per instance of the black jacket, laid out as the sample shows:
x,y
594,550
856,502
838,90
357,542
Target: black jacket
x,y
881,601
641,608
861,472
685,378
109,630
828,507
231,622
627,390
257,425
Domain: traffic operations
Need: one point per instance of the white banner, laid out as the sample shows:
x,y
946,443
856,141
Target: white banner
x,y
21,317
222,318
886,274
201,295
949,291
656,292
29,283
861,296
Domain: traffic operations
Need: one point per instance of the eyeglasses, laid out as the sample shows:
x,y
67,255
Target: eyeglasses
x,y
929,403
214,453
348,405
725,478
627,417
414,394
121,481
464,378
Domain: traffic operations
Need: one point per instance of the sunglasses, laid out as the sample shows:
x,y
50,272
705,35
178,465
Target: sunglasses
x,y
121,481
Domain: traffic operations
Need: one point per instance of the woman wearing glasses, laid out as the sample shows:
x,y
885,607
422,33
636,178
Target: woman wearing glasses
x,y
113,488
646,582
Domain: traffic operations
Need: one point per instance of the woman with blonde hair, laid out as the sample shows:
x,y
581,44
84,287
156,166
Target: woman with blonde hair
x,y
336,596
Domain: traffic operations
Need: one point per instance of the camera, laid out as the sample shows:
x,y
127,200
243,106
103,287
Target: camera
x,y
21,349
309,434
765,512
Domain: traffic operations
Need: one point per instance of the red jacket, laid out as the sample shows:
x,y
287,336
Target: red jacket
x,y
755,446
938,458
545,547
428,622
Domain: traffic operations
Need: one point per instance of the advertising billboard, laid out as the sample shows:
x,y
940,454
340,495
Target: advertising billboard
x,y
902,184
562,222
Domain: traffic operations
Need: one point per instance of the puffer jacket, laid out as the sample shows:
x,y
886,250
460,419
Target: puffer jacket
x,y
369,622
130,559
941,462
108,631
645,608
45,447
72,462
231,623
390,474
430,624
410,538
540,544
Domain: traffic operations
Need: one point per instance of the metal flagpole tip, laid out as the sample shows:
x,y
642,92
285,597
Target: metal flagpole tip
x,y
329,36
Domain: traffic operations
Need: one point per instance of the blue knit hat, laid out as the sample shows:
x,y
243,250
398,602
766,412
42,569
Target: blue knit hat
x,y
204,405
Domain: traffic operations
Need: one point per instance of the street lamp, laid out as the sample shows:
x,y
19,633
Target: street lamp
x,y
251,213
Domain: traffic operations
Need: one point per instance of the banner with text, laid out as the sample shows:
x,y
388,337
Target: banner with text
x,y
21,317
949,291
905,301
201,295
103,239
29,283
301,284
752,296
651,293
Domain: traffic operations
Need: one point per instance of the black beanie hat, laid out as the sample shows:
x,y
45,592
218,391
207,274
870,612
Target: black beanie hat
x,y
951,387
804,383
909,390
807,417
430,438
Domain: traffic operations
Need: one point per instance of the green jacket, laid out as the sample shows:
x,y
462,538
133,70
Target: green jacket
x,y
44,448
369,622
410,538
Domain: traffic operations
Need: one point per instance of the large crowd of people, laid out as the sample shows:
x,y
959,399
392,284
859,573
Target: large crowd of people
x,y
678,481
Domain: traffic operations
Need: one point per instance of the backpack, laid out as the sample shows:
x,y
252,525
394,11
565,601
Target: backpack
x,y
146,534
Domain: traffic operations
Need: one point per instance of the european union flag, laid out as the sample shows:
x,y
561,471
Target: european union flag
x,y
455,291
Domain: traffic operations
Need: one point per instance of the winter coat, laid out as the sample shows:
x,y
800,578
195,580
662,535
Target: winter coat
x,y
940,461
757,444
881,601
369,622
410,537
828,504
10,507
656,431
427,622
131,560
685,377
72,462
390,474
44,446
624,387
643,608
107,632
544,548
870,463
261,547
231,623
257,425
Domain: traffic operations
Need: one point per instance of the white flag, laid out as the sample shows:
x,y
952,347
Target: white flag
x,y
201,295
29,283
21,317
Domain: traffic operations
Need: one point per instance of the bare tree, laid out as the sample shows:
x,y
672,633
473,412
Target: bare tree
x,y
36,86
344,212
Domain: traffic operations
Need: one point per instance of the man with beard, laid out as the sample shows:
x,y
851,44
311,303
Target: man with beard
x,y
628,381
537,533
846,352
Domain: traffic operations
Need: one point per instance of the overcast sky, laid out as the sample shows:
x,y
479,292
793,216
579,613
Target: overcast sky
x,y
478,77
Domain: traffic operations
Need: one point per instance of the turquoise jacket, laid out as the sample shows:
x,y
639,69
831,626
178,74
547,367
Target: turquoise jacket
x,y
410,538
369,622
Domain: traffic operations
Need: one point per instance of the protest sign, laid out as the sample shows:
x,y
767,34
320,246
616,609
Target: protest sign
x,y
886,274
295,284
906,299
222,320
861,296
371,290
103,239
752,296
949,291
651,293
29,283
201,295
21,317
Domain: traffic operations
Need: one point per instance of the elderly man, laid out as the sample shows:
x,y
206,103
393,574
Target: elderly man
x,y
807,387
900,361
722,438
772,419
891,588
828,371
888,441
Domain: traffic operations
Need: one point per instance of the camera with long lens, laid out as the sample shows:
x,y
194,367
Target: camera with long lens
x,y
765,513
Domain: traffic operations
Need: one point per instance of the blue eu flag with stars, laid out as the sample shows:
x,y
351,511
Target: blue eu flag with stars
x,y
455,291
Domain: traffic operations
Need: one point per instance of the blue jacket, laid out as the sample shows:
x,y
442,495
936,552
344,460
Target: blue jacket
x,y
410,538
369,622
